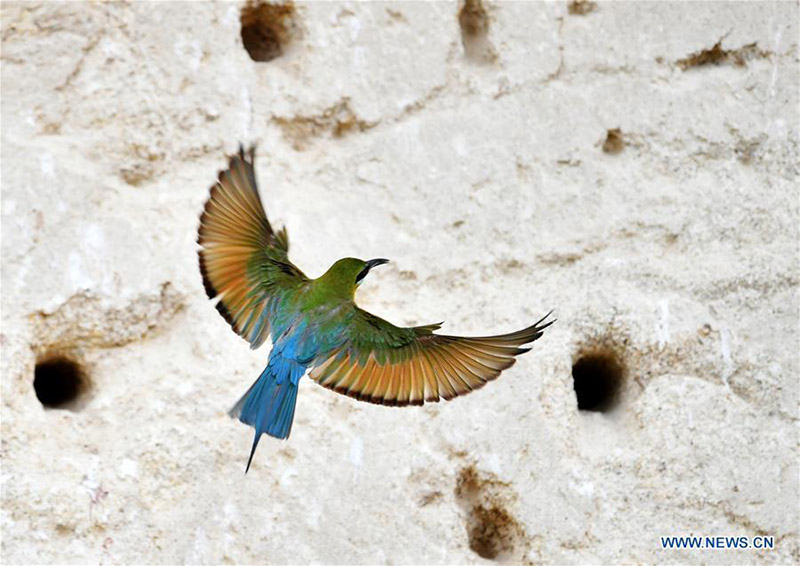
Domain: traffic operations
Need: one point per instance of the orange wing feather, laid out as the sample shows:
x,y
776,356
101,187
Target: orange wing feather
x,y
426,368
242,260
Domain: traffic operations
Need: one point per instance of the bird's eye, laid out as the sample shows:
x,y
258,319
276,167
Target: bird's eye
x,y
362,274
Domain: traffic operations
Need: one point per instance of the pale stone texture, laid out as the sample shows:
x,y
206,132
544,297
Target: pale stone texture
x,y
484,179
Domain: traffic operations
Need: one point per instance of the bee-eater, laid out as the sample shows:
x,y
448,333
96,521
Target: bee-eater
x,y
315,323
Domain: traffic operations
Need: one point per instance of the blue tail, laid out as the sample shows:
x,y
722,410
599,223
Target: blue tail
x,y
268,406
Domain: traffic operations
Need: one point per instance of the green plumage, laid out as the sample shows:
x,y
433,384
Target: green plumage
x,y
316,325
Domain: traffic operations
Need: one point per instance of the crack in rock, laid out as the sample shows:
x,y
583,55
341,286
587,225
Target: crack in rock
x,y
84,320
335,121
716,55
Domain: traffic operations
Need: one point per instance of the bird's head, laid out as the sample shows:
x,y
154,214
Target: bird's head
x,y
345,275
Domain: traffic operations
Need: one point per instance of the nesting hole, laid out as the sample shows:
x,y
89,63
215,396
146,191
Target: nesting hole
x,y
614,142
494,533
581,7
60,382
267,29
474,22
597,377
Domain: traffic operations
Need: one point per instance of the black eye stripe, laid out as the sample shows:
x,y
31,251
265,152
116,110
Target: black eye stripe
x,y
362,274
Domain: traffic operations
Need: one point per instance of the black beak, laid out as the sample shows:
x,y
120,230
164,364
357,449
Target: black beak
x,y
370,264
376,262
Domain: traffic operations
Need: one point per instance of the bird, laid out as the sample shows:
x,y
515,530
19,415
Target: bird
x,y
315,325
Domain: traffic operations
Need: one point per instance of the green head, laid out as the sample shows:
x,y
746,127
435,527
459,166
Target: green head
x,y
346,275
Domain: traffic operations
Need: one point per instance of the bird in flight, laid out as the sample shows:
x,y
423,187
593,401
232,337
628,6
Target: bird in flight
x,y
315,324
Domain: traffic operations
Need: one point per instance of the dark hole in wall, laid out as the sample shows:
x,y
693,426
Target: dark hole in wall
x,y
267,29
492,532
614,142
474,22
597,378
581,7
60,382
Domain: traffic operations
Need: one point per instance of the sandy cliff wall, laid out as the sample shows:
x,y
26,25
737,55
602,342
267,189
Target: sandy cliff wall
x,y
632,165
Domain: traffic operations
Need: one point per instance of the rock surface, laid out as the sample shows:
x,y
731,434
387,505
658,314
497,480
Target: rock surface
x,y
632,165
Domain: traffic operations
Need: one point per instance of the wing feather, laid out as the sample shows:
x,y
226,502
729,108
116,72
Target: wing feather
x,y
243,262
412,366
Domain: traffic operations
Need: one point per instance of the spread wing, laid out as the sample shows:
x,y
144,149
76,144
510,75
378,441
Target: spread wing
x,y
385,364
242,260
